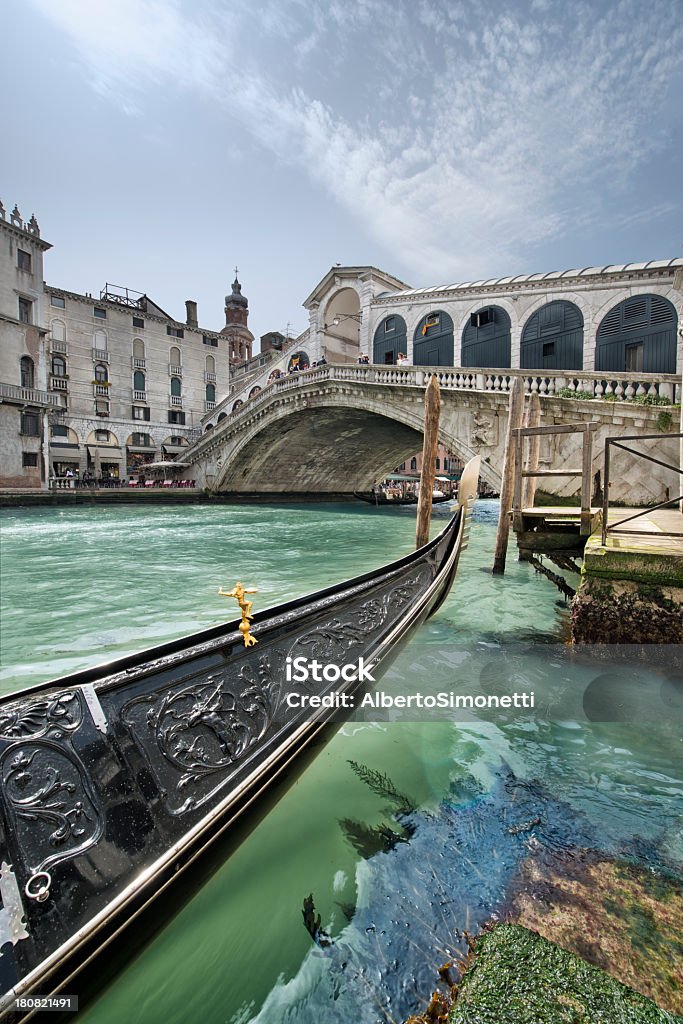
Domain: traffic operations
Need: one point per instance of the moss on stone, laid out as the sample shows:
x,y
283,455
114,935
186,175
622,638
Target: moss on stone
x,y
517,976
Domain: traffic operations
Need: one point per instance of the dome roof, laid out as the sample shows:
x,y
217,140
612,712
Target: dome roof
x,y
236,298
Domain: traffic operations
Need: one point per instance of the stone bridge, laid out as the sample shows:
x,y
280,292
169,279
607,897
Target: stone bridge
x,y
336,428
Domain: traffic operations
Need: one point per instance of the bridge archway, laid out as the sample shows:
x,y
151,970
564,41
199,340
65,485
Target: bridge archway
x,y
342,339
391,337
638,335
552,338
433,340
487,338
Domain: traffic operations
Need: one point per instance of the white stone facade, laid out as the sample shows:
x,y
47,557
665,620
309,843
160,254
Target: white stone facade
x,y
115,381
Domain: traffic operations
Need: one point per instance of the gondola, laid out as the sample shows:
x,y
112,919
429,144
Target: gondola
x,y
115,778
373,498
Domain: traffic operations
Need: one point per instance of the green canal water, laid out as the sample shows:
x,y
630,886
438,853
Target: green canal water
x,y
395,879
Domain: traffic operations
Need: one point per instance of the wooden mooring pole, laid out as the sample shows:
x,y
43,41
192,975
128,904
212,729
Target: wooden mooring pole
x,y
515,415
429,447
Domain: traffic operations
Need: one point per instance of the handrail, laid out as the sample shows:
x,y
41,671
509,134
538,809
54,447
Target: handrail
x,y
616,441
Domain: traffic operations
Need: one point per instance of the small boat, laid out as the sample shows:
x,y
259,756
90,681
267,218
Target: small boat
x,y
379,498
116,778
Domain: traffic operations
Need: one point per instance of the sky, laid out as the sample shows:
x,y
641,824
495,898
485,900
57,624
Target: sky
x,y
161,143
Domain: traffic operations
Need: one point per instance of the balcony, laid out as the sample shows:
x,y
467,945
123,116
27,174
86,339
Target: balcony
x,y
175,371
210,378
208,406
25,396
139,364
58,346
139,396
101,390
176,400
59,383
100,355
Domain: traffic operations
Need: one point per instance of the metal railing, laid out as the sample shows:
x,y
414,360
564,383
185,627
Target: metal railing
x,y
617,442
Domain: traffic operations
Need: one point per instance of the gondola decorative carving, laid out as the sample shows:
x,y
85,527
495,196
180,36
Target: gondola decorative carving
x,y
56,715
50,800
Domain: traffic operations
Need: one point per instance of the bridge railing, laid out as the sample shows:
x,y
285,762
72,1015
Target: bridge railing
x,y
621,387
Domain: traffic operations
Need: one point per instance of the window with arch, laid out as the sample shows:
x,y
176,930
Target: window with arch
x,y
210,364
27,372
58,366
58,330
174,358
101,373
211,392
176,387
138,349
139,383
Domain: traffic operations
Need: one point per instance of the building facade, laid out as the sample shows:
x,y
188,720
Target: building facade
x,y
99,387
616,318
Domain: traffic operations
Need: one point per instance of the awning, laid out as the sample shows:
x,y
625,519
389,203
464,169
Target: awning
x,y
166,465
144,449
174,449
106,449
64,444
401,476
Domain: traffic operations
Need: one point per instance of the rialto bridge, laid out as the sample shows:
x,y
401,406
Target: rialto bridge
x,y
336,428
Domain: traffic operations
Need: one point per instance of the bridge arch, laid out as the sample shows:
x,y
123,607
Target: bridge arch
x,y
638,335
487,338
552,337
342,338
433,340
326,442
391,337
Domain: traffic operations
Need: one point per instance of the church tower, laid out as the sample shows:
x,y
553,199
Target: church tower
x,y
236,331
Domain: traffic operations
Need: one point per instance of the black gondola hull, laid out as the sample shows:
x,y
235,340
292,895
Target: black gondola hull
x,y
114,779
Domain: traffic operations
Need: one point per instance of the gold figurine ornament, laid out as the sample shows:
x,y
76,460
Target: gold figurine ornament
x,y
239,593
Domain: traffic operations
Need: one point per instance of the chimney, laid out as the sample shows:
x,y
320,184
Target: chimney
x,y
191,307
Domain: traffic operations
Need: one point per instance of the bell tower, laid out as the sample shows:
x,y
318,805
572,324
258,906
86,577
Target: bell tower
x,y
236,330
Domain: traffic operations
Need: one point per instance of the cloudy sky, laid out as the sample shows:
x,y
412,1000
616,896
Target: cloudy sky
x,y
161,142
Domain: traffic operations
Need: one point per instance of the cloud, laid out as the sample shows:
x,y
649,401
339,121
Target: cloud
x,y
457,141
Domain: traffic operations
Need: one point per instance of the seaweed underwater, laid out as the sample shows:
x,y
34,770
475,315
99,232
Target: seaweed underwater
x,y
429,881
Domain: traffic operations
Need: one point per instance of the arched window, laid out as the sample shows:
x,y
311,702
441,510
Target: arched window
x,y
176,387
433,340
638,336
222,416
391,337
175,356
58,366
210,364
139,383
101,373
552,338
27,372
138,349
486,339
210,393
58,330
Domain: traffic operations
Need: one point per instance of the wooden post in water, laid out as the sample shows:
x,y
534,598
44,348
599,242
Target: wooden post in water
x,y
429,446
532,419
515,414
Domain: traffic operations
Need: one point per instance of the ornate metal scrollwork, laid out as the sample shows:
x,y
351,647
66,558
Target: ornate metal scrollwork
x,y
333,640
55,715
49,798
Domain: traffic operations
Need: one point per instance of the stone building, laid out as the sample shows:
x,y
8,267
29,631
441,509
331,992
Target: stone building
x,y
24,398
99,386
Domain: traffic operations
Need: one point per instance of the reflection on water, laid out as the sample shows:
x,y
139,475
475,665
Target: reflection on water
x,y
404,833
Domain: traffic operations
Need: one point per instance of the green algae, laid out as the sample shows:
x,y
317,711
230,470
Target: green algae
x,y
518,976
